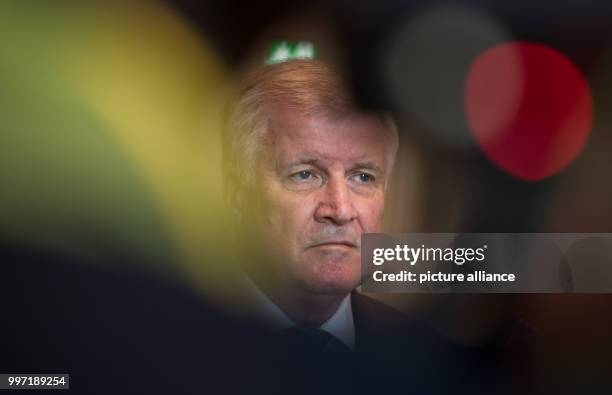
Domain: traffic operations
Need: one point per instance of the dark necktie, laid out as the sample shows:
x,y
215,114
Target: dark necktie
x,y
317,339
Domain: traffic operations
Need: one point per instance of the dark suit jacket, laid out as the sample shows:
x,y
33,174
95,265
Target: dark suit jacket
x,y
399,353
124,332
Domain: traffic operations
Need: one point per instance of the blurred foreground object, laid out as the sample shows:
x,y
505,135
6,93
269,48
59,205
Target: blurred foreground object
x,y
109,118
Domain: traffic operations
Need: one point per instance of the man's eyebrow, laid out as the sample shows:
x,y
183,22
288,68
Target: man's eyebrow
x,y
305,161
368,165
318,163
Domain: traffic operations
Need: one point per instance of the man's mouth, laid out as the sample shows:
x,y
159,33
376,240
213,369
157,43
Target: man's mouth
x,y
334,243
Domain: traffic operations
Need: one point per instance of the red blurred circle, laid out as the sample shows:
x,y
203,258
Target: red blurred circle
x,y
529,108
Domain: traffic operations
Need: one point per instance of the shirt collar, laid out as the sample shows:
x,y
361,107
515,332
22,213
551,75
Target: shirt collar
x,y
341,324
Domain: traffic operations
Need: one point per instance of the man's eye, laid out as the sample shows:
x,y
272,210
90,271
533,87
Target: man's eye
x,y
303,175
365,177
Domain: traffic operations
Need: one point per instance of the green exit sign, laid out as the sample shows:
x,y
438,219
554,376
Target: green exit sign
x,y
282,51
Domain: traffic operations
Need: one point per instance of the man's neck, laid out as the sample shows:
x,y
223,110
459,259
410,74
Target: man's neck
x,y
308,309
303,308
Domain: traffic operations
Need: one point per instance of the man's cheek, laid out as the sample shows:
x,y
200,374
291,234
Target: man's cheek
x,y
371,216
283,226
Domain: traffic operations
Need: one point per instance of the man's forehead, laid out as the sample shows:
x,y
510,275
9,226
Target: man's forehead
x,y
353,139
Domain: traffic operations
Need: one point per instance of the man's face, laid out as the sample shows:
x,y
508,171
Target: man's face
x,y
320,184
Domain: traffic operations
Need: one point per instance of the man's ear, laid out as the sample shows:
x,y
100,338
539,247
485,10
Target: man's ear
x,y
242,201
232,198
238,206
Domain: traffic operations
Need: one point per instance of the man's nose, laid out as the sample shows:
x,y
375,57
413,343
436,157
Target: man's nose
x,y
335,205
